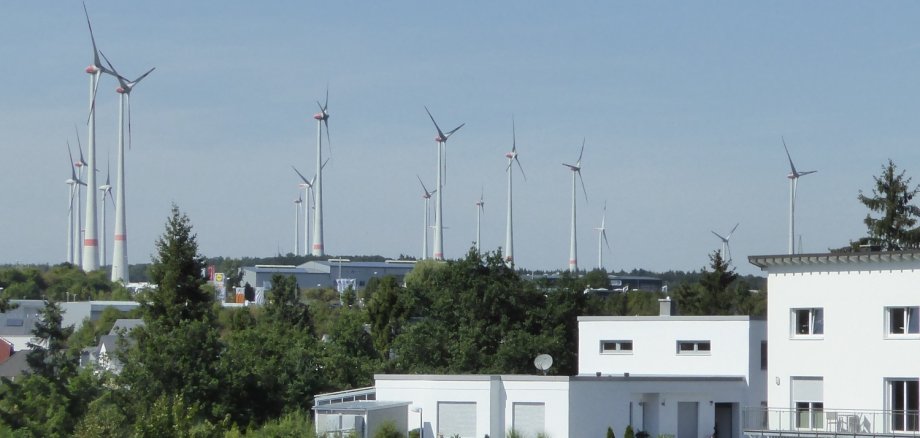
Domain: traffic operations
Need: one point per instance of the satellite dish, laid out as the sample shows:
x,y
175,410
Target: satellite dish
x,y
543,362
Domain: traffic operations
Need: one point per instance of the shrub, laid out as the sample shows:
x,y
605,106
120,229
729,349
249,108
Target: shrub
x,y
388,430
610,433
629,432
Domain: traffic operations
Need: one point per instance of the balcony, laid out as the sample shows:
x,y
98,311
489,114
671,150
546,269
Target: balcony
x,y
820,423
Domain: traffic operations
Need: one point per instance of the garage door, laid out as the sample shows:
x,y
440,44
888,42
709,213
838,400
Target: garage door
x,y
457,418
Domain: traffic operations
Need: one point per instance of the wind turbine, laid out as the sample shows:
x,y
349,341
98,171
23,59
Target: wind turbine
x,y
793,182
726,249
322,118
576,170
297,204
106,190
73,182
509,231
441,139
307,186
602,239
78,236
480,209
120,246
90,261
426,195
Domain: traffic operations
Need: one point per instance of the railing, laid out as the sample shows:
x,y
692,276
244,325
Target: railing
x,y
779,422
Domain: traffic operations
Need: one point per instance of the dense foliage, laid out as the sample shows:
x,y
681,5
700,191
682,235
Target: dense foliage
x,y
196,369
891,197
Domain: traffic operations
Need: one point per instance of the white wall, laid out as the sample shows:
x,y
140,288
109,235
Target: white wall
x,y
655,345
853,356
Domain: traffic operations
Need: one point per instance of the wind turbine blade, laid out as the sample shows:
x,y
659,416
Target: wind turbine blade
x,y
441,134
328,140
718,235
108,172
807,172
326,104
582,185
513,136
732,231
604,235
128,109
792,166
135,82
80,149
452,131
520,167
92,38
302,178
580,153
73,173
423,185
92,102
444,163
123,81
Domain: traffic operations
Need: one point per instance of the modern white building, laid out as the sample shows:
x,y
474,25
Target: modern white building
x,y
327,273
664,375
844,344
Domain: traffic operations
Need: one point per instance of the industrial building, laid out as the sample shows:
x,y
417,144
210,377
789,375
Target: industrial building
x,y
334,273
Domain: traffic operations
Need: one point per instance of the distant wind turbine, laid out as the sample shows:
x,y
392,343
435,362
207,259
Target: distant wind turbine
x,y
441,139
322,120
297,205
120,245
106,190
726,248
576,170
426,195
78,236
793,182
307,186
73,182
509,232
602,239
480,209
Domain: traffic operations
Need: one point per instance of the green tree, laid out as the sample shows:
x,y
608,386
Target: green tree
x,y
176,353
891,198
284,305
389,309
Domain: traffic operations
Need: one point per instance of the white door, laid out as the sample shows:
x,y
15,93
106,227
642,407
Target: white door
x,y
687,419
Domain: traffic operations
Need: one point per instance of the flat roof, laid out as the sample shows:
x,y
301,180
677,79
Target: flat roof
x,y
471,377
654,378
669,318
817,259
360,406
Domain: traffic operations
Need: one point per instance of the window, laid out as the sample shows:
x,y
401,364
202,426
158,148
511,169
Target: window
x,y
808,321
617,347
763,355
903,321
693,347
808,399
904,404
809,415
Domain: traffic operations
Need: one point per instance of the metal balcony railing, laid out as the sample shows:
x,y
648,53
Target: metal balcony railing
x,y
784,422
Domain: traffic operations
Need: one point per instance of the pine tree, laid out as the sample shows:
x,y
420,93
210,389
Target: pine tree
x,y
891,197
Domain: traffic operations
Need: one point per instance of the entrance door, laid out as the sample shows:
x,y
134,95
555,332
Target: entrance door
x,y
687,419
724,425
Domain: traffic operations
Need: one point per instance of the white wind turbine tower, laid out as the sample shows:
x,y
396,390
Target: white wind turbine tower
x,y
120,245
480,209
106,190
297,204
322,118
726,249
509,231
78,231
73,182
307,186
576,170
90,261
442,177
602,239
793,182
426,195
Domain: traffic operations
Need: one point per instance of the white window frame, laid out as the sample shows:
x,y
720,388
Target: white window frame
x,y
814,326
700,347
902,420
620,346
910,318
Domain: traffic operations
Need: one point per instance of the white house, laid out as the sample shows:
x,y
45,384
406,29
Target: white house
x,y
665,375
844,344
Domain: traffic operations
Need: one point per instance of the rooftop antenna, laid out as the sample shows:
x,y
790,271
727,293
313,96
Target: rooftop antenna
x,y
543,362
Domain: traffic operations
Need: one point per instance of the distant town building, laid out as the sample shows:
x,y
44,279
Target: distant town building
x,y
327,274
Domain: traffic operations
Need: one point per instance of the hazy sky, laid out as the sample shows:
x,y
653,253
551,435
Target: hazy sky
x,y
682,104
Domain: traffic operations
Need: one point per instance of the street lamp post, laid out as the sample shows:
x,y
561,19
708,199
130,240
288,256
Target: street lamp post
x,y
421,424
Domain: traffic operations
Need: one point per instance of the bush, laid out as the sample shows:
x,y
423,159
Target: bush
x,y
388,430
629,432
610,433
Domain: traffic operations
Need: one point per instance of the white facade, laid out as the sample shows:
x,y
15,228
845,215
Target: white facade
x,y
477,405
844,347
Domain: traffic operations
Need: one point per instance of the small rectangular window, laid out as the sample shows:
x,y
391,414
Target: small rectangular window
x,y
763,355
809,415
808,321
614,347
693,347
903,320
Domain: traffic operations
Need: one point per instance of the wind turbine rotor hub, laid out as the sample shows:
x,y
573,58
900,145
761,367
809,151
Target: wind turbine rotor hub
x,y
510,155
121,90
440,139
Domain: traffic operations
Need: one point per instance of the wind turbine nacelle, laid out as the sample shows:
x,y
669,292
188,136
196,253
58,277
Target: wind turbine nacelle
x,y
321,116
121,90
440,139
92,69
509,155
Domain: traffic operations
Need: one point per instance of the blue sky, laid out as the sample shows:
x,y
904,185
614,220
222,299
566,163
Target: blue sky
x,y
682,105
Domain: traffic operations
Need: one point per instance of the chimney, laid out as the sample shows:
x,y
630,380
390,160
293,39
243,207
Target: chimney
x,y
667,307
